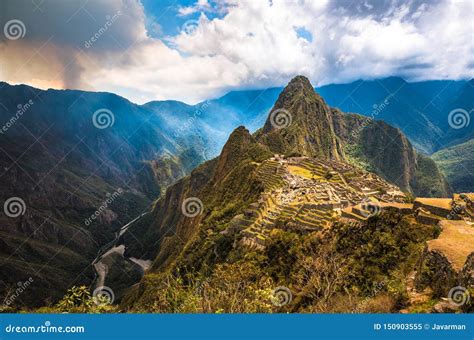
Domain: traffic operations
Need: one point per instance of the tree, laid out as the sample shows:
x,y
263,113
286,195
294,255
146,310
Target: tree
x,y
322,275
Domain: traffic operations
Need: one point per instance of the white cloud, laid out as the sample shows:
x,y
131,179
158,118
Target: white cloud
x,y
256,45
345,46
199,6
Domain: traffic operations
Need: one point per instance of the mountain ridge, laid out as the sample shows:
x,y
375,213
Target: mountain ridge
x,y
237,192
306,116
420,109
64,165
161,158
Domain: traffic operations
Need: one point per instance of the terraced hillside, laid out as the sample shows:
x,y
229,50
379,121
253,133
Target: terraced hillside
x,y
270,173
288,207
304,195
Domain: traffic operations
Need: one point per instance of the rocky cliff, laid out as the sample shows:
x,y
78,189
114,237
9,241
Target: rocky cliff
x,y
301,122
79,165
385,150
241,198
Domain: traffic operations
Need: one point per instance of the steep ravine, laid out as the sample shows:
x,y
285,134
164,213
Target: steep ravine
x,y
112,260
227,185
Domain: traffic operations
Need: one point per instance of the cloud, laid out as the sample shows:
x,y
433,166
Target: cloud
x,y
199,6
205,6
59,35
255,44
365,40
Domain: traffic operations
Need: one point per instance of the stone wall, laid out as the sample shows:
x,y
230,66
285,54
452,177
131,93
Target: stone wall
x,y
427,219
437,210
435,271
467,272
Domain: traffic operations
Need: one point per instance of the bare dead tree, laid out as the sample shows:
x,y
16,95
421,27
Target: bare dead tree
x,y
322,274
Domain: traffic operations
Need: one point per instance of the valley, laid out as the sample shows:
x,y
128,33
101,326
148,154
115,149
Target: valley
x,y
242,169
324,203
305,199
289,209
76,182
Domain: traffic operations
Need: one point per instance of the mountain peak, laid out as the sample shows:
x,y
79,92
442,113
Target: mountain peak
x,y
301,81
298,89
300,122
240,145
299,84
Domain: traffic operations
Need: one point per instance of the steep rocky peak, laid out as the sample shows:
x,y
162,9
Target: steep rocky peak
x,y
235,149
298,89
299,83
299,103
238,138
301,122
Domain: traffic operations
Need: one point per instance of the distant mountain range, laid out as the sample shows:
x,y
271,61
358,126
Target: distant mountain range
x,y
419,109
65,153
63,156
457,162
312,129
261,214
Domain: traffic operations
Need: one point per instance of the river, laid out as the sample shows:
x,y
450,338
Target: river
x,y
102,262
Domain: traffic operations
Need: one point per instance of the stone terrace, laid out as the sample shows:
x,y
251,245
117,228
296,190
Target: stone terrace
x,y
305,195
456,242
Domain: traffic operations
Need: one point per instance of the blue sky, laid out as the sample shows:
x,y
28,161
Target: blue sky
x,y
164,19
191,50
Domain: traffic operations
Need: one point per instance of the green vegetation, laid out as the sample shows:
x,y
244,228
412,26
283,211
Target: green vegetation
x,y
231,288
343,269
428,181
249,237
457,164
245,244
270,175
79,300
355,156
300,171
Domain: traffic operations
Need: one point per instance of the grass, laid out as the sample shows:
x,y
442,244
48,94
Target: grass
x,y
456,242
444,203
299,171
